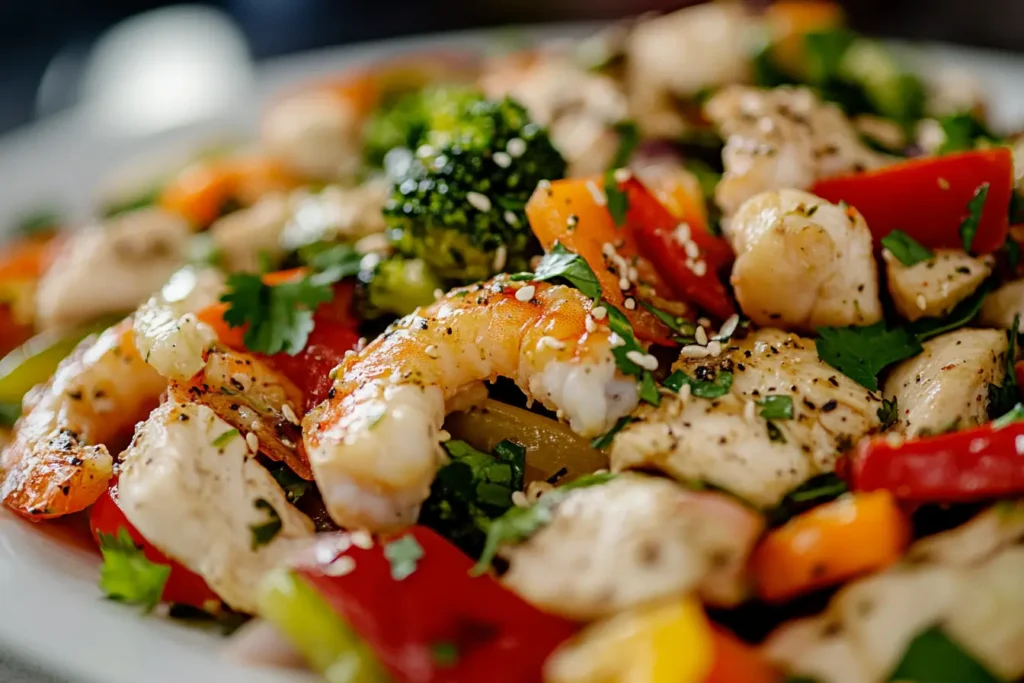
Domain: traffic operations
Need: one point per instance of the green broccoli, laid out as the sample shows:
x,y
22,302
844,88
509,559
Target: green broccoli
x,y
398,286
399,123
460,203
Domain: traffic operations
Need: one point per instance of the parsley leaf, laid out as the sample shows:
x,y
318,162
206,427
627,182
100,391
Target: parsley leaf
x,y
1003,398
776,407
905,248
403,554
813,492
963,132
560,263
335,261
279,317
294,486
861,353
975,207
126,574
683,328
715,387
518,524
618,202
225,438
932,656
265,532
888,413
649,390
619,324
606,439
962,313
1015,414
629,138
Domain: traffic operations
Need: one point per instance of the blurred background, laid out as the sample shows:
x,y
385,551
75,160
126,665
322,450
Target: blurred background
x,y
47,46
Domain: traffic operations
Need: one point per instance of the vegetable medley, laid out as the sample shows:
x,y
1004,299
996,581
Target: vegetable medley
x,y
685,354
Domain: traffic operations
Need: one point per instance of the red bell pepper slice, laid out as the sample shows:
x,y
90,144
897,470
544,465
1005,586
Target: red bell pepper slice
x,y
927,198
972,465
183,585
489,633
692,276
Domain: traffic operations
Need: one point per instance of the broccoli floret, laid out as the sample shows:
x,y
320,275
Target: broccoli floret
x,y
400,123
460,203
398,286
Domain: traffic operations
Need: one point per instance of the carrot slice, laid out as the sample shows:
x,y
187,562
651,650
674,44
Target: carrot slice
x,y
852,535
737,662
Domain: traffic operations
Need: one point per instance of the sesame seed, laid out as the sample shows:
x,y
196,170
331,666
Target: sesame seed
x,y
544,184
599,312
525,293
502,159
714,348
444,435
516,147
511,218
590,324
700,269
551,343
438,293
500,257
644,360
682,233
596,193
921,302
479,201
340,567
748,411
703,322
729,326
624,284
289,414
691,249
630,303
573,220
361,539
615,340
432,351
622,175
693,351
253,442
701,336
685,391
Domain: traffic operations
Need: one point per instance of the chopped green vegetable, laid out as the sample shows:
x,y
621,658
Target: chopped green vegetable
x,y
398,286
888,413
41,220
336,260
963,313
715,387
1015,414
824,52
9,414
279,317
445,654
776,407
294,486
618,202
225,438
404,554
1001,399
683,328
861,353
649,389
126,574
964,132
518,524
560,263
932,658
265,532
606,439
905,248
975,207
813,492
629,138
619,324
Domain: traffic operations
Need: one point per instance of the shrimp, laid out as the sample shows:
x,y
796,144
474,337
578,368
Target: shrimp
x,y
374,445
58,461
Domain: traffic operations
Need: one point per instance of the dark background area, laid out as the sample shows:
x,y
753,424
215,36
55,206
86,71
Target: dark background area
x,y
32,32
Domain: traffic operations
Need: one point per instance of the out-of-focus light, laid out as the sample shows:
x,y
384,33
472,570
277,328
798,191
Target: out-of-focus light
x,y
165,68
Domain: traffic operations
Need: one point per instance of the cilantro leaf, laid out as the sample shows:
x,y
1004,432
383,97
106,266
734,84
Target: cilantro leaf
x,y
294,486
126,574
629,138
905,248
618,202
335,261
932,656
1002,399
776,407
975,207
403,554
888,413
962,313
606,439
649,389
861,353
963,132
265,532
715,387
619,324
560,263
279,317
518,523
683,328
813,492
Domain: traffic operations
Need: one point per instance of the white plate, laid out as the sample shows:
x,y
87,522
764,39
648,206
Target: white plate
x,y
50,608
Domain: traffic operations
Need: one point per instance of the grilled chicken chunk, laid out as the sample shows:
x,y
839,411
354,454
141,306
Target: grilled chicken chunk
x,y
946,386
782,138
932,288
725,442
633,540
1002,305
802,262
315,134
974,597
190,485
111,268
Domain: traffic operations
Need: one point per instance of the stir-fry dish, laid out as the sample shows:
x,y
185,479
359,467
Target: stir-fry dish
x,y
686,353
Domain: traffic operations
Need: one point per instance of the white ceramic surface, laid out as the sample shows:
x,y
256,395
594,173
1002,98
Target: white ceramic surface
x,y
50,608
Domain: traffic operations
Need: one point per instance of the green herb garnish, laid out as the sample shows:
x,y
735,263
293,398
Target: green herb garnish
x,y
618,201
606,439
404,554
715,387
629,138
933,657
776,407
975,207
225,438
126,574
861,353
888,413
1002,399
560,263
264,533
905,248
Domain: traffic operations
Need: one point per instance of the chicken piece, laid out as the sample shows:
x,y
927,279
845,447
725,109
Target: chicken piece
x,y
725,442
631,541
111,268
946,386
579,107
243,237
676,56
932,288
802,262
987,532
189,485
315,134
1003,305
337,214
782,138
